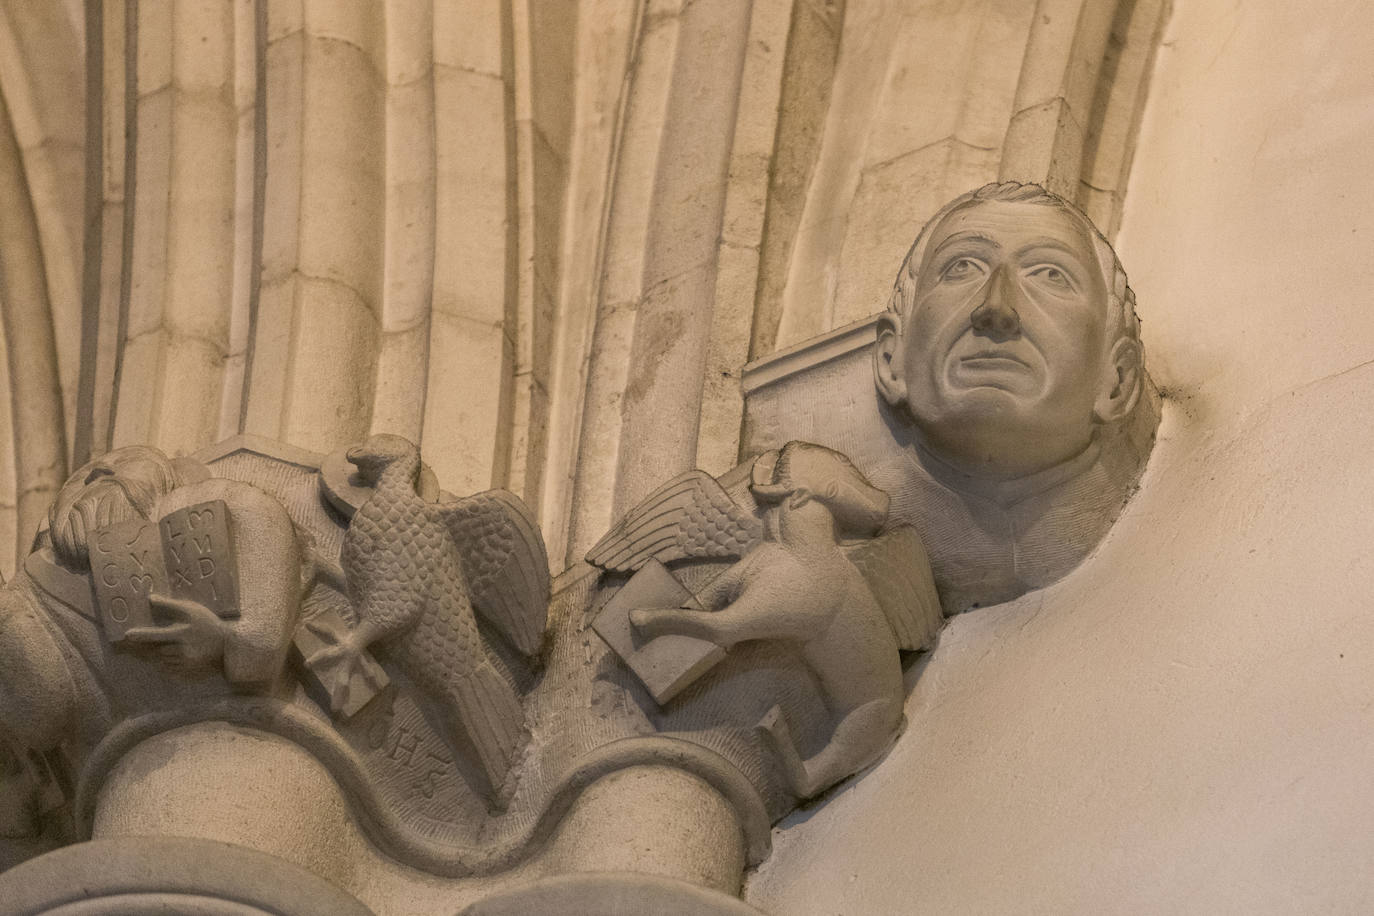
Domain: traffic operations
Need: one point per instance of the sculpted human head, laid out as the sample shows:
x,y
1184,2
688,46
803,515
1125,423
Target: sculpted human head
x,y
1011,335
121,484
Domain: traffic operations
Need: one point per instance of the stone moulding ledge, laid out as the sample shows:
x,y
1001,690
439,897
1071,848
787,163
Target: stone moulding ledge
x,y
389,832
262,445
807,354
156,874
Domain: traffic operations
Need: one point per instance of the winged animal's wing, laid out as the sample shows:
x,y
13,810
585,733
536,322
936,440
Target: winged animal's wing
x,y
689,516
897,569
504,562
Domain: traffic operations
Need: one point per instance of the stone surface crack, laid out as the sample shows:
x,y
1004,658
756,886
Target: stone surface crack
x,y
1325,378
1039,606
464,68
367,56
1235,24
173,335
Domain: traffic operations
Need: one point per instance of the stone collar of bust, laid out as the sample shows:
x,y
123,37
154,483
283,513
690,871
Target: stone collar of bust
x,y
1007,492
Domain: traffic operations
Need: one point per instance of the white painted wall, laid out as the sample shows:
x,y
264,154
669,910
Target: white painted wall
x,y
1186,723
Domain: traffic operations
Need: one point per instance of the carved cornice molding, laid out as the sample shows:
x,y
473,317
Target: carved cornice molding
x,y
807,355
169,874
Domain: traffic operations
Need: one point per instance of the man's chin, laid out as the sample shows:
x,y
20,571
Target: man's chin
x,y
997,401
990,432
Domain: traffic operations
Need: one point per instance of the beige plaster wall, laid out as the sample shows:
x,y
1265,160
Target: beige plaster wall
x,y
1186,723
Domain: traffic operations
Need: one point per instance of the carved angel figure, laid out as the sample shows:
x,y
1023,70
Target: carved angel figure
x,y
848,605
415,571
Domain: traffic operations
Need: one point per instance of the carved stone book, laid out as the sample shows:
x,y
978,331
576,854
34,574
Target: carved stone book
x,y
199,557
666,664
188,554
349,687
126,566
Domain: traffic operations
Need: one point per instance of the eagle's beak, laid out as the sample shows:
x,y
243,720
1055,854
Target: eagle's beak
x,y
354,454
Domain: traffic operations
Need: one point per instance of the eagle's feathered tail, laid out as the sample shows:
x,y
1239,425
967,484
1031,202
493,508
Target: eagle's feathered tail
x,y
492,717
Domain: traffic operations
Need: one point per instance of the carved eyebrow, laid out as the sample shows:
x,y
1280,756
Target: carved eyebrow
x,y
1052,245
967,235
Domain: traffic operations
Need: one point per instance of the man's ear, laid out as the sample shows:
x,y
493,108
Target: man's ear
x,y
888,372
1119,386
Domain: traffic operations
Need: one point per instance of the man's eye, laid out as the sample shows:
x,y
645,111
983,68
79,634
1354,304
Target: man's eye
x,y
961,269
1053,276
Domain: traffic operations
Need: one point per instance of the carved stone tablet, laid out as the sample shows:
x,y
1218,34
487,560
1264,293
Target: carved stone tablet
x,y
666,664
126,566
199,556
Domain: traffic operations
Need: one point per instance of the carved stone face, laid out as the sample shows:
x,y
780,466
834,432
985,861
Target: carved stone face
x,y
1003,360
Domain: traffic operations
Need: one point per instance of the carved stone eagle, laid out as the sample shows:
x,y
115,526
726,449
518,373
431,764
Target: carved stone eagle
x,y
417,570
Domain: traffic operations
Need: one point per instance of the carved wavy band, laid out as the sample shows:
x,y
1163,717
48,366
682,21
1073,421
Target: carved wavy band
x,y
393,835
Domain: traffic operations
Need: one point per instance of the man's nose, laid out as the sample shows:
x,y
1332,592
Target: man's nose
x,y
996,317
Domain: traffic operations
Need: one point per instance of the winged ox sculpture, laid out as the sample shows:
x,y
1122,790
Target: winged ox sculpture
x,y
816,568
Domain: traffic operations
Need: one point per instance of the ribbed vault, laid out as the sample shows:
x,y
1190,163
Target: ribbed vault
x,y
41,146
539,237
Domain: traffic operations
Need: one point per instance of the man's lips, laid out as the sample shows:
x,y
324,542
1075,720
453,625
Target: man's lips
x,y
993,359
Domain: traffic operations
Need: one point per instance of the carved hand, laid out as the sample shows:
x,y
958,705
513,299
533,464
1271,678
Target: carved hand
x,y
192,642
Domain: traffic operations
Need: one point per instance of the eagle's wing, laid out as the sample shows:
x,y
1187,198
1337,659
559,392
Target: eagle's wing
x,y
689,516
504,562
897,569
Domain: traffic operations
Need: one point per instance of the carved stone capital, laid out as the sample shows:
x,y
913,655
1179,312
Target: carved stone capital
x,y
405,644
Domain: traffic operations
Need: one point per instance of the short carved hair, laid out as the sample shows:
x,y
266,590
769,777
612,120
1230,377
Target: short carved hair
x,y
121,484
1121,317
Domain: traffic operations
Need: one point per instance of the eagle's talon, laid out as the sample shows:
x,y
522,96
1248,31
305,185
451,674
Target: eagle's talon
x,y
333,654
